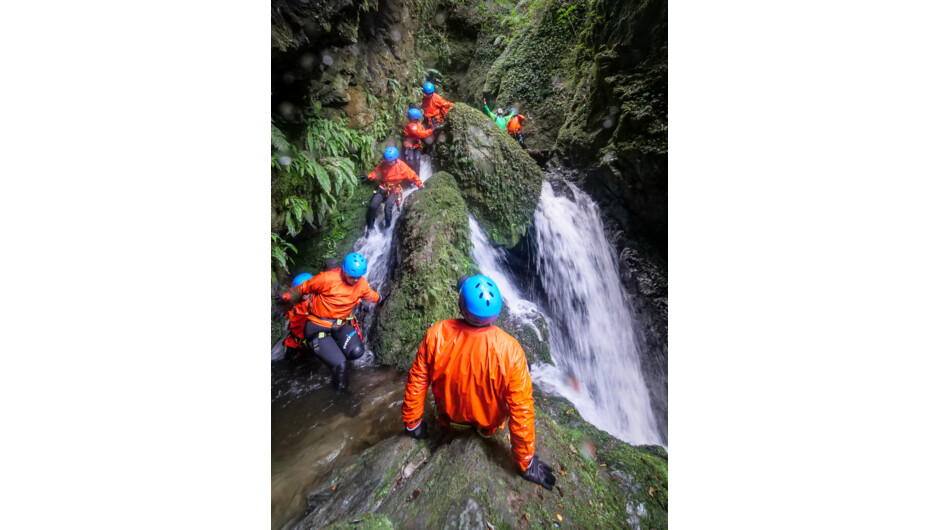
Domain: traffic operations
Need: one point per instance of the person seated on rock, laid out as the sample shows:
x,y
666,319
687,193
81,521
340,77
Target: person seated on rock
x,y
499,118
390,175
514,127
434,107
414,134
479,376
320,320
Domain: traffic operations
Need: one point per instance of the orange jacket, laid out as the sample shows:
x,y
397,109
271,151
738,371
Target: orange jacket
x,y
394,173
515,124
479,376
331,298
414,131
434,105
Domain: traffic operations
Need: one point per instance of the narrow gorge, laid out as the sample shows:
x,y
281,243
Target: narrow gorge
x,y
572,228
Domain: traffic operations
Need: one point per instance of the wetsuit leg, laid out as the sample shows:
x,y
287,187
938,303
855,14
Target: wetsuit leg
x,y
349,342
374,208
389,204
327,351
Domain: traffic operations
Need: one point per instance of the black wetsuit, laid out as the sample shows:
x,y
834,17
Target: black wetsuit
x,y
335,349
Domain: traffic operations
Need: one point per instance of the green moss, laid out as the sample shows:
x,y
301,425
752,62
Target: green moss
x,y
466,478
434,247
500,183
339,236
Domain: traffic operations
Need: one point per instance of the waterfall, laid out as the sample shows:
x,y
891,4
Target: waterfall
x,y
591,327
492,262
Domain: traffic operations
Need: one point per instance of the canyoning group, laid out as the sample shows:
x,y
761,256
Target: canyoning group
x,y
477,372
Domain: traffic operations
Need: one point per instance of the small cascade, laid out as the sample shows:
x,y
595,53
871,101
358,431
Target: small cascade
x,y
492,262
376,246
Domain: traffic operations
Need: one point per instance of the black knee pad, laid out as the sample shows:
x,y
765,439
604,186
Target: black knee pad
x,y
350,343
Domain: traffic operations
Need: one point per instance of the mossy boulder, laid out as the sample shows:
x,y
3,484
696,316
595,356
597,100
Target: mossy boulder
x,y
533,337
431,250
463,481
500,182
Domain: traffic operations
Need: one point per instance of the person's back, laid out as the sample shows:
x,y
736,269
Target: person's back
x,y
477,374
479,377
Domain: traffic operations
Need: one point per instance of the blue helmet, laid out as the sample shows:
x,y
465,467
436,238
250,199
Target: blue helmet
x,y
429,88
301,278
480,301
414,113
355,264
512,109
390,154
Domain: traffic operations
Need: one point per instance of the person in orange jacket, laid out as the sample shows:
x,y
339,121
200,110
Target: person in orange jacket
x,y
414,134
479,376
320,318
434,106
390,175
514,127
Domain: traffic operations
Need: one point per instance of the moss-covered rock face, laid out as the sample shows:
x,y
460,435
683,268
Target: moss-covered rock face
x,y
500,183
464,481
432,250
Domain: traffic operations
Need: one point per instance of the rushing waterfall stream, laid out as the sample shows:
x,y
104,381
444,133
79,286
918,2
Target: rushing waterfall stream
x,y
591,329
592,338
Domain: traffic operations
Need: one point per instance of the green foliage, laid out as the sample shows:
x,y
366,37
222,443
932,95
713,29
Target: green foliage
x,y
310,174
279,255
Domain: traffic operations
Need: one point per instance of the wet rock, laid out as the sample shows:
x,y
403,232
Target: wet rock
x,y
469,482
431,250
464,514
500,183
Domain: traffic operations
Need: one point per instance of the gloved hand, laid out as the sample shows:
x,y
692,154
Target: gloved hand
x,y
383,297
363,178
421,431
540,473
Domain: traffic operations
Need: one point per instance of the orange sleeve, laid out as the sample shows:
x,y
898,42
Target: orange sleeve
x,y
313,285
417,387
375,175
422,133
444,104
369,293
521,409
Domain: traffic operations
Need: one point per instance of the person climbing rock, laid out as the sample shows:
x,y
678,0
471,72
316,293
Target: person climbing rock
x,y
434,107
321,321
514,127
289,305
499,118
414,134
479,376
390,175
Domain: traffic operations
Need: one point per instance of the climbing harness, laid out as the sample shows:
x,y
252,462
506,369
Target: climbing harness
x,y
395,189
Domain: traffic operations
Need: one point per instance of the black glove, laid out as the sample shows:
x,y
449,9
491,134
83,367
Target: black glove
x,y
540,473
382,298
421,431
363,178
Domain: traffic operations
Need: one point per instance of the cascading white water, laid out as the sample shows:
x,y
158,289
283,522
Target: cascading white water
x,y
376,246
492,262
591,328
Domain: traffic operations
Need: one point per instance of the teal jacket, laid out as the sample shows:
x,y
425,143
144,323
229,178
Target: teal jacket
x,y
501,121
